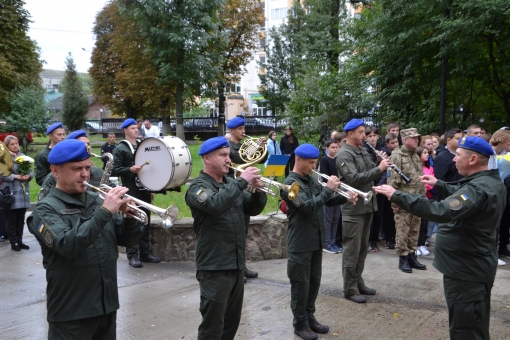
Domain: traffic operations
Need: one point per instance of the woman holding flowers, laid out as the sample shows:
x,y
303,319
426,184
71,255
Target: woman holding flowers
x,y
18,182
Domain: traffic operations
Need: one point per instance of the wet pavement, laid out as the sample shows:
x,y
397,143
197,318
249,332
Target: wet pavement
x,y
160,301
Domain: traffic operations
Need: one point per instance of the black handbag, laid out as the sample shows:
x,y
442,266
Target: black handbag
x,y
6,198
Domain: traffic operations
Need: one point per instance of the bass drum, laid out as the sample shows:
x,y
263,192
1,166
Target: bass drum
x,y
167,163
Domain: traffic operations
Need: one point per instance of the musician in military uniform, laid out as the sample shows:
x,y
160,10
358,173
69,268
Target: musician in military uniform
x,y
218,205
124,167
357,170
95,173
79,234
236,129
56,134
464,250
306,238
407,225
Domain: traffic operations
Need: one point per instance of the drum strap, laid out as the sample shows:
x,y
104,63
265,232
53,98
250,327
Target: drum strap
x,y
128,143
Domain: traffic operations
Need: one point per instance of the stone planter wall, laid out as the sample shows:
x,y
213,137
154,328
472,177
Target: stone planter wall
x,y
267,239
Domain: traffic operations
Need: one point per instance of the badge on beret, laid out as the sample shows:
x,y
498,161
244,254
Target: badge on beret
x,y
463,140
48,237
201,195
297,201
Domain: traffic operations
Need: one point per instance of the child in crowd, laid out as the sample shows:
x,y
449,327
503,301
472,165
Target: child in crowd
x,y
331,214
423,153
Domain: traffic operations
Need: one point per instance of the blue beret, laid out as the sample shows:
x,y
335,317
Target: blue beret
x,y
235,122
52,127
212,144
77,134
307,151
68,150
476,144
353,123
128,122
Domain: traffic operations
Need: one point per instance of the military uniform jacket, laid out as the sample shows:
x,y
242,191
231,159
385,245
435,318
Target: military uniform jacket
x,y
219,210
79,247
410,164
306,213
468,219
357,170
42,166
123,159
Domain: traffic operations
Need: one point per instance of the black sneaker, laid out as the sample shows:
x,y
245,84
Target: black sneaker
x,y
390,245
15,247
23,246
504,252
374,247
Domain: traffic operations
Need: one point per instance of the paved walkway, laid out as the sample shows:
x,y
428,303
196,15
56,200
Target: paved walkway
x,y
160,301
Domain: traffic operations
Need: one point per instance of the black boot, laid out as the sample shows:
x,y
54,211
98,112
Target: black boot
x,y
413,262
403,264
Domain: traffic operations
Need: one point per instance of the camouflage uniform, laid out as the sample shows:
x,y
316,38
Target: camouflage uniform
x,y
407,225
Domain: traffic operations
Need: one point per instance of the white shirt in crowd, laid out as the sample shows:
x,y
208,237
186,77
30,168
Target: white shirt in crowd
x,y
152,132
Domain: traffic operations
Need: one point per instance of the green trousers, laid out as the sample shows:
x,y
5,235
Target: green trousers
x,y
221,303
143,248
355,235
103,327
469,308
304,271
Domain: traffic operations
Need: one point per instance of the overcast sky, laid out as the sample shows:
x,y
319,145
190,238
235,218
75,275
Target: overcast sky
x,y
63,26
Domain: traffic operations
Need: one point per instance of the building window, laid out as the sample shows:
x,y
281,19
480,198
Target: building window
x,y
262,43
278,13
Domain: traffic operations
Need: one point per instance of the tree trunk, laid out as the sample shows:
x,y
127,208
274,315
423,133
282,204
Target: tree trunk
x,y
221,109
179,92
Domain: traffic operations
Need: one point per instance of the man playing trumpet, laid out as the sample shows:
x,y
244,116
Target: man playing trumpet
x,y
219,205
306,238
79,234
236,129
356,169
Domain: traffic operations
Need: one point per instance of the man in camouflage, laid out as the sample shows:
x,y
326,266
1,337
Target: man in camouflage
x,y
407,225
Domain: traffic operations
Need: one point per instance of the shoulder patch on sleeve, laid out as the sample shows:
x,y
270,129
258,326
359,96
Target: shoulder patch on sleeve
x,y
201,195
48,237
454,203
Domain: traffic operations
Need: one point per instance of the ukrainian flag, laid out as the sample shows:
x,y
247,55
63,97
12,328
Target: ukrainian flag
x,y
276,165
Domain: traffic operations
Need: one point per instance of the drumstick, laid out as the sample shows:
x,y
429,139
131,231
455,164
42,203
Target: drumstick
x,y
146,162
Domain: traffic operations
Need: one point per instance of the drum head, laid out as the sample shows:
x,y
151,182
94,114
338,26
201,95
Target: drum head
x,y
168,163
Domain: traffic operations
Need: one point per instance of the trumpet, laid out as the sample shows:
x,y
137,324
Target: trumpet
x,y
292,189
168,216
344,189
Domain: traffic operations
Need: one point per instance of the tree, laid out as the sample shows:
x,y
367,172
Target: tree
x,y
181,35
74,102
19,57
400,49
27,111
124,77
304,76
239,23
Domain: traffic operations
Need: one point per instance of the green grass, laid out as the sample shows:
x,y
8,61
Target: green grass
x,y
162,201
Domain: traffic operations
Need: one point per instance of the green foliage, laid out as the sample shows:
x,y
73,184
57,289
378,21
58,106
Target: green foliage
x,y
401,47
28,109
19,56
74,102
180,36
86,83
196,138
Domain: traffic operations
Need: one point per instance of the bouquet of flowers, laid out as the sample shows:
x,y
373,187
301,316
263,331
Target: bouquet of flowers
x,y
24,167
